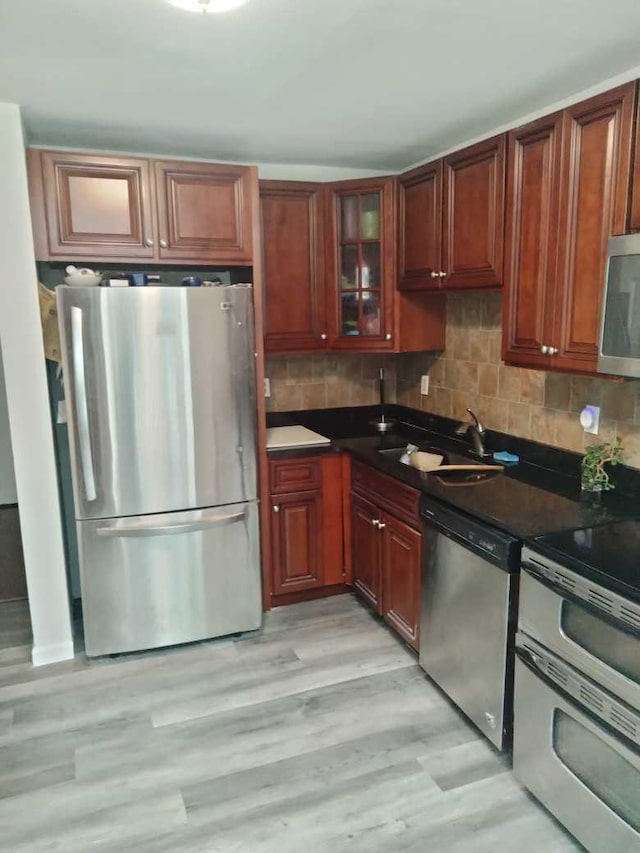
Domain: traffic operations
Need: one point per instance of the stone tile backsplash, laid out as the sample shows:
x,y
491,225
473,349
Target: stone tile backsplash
x,y
327,381
527,403
470,372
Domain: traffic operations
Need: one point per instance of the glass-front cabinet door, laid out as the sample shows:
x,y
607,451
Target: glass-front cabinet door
x,y
361,265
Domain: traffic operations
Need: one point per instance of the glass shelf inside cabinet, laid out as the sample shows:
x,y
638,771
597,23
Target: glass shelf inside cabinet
x,y
360,264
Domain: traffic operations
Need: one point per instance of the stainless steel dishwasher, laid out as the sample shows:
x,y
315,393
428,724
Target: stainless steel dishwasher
x,y
468,615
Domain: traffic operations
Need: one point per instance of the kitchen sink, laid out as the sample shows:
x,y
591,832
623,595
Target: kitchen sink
x,y
396,453
452,478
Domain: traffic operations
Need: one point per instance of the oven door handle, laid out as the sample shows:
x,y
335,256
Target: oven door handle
x,y
590,606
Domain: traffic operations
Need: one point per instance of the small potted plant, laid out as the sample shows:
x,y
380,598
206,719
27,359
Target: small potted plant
x,y
595,479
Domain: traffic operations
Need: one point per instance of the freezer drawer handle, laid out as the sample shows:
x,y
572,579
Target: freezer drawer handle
x,y
166,529
82,409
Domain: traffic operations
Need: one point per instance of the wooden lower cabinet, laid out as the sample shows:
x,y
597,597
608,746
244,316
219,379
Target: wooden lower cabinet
x,y
367,549
297,521
306,525
386,552
401,556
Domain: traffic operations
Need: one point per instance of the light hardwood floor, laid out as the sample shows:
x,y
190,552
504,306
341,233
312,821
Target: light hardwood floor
x,y
318,734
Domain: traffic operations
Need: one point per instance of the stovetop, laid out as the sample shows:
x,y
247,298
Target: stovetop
x,y
608,554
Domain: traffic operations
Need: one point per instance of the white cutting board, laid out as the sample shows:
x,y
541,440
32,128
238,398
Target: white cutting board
x,y
286,438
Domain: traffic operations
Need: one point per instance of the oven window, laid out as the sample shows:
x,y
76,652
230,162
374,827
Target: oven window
x,y
621,335
603,770
619,650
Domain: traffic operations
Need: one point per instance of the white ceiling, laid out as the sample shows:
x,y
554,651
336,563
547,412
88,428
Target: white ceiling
x,y
373,84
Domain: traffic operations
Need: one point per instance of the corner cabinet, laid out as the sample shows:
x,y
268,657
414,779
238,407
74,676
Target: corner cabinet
x,y
292,245
420,228
568,191
102,208
473,204
387,549
306,526
360,263
451,221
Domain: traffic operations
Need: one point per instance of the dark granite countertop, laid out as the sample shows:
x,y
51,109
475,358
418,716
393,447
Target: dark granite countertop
x,y
539,495
608,555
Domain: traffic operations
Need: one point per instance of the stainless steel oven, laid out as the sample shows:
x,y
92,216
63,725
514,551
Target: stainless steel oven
x,y
577,704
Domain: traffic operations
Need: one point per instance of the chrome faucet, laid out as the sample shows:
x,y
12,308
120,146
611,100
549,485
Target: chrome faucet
x,y
477,432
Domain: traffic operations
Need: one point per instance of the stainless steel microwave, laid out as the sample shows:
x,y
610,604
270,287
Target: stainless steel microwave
x,y
619,351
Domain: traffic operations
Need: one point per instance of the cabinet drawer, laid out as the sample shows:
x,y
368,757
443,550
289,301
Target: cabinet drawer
x,y
295,475
386,493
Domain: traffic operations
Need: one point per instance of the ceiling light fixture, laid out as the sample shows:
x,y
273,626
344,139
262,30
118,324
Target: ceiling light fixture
x,y
207,5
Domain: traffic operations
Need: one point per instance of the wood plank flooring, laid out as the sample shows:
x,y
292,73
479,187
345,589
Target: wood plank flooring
x,y
319,733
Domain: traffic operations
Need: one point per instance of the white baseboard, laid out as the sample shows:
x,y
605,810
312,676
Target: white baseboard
x,y
42,655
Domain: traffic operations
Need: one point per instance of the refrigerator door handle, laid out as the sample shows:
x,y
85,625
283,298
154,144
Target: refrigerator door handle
x,y
164,527
82,408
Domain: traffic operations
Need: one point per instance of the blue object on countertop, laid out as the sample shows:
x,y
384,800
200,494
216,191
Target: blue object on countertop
x,y
506,458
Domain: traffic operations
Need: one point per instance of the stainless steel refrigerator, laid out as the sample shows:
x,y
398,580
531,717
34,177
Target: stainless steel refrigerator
x,y
160,387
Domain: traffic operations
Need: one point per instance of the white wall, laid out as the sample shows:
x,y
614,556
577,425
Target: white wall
x,y
27,396
8,494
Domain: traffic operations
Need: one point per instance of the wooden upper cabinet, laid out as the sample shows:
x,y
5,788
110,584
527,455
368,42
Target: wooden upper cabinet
x,y
420,228
90,206
295,298
204,211
634,218
594,206
360,263
473,225
533,173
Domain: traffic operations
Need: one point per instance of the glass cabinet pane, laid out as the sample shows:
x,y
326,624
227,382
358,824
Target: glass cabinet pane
x,y
350,311
349,217
371,313
349,268
370,272
370,216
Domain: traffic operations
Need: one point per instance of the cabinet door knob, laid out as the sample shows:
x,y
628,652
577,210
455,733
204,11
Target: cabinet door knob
x,y
381,525
553,350
276,508
544,349
442,274
375,522
148,242
163,244
387,337
323,337
434,274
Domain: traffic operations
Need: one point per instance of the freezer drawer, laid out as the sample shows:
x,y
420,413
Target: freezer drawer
x,y
159,580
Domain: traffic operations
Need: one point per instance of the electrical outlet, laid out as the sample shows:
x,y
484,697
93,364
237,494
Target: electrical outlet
x,y
267,386
424,385
590,419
